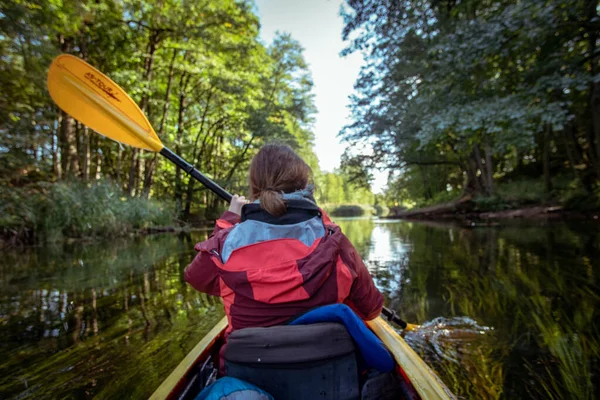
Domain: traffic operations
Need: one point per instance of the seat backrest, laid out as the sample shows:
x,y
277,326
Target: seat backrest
x,y
296,362
286,344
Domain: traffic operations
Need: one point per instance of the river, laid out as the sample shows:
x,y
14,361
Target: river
x,y
507,312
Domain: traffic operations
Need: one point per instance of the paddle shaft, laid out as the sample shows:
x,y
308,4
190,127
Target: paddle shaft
x,y
393,317
194,173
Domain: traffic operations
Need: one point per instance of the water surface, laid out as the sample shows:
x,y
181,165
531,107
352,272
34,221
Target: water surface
x,y
507,312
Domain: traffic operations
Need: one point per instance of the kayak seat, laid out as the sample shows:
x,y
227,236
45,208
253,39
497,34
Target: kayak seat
x,y
384,386
373,353
316,361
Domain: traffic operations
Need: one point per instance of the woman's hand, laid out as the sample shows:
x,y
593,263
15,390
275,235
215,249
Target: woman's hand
x,y
236,204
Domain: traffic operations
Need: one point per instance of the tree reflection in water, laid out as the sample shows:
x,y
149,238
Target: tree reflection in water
x,y
106,319
508,312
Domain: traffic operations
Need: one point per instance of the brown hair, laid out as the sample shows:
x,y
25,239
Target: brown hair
x,y
275,170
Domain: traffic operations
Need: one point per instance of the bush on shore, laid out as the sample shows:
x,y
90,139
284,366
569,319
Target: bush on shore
x,y
49,212
348,210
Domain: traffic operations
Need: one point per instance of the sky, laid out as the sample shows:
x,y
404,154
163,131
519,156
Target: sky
x,y
317,25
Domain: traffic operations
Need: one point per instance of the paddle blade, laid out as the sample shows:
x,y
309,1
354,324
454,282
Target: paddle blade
x,y
411,327
95,100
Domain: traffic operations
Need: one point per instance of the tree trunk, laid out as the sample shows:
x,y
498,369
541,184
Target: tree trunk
x,y
55,140
592,14
119,163
565,140
134,167
96,169
179,136
151,165
595,100
183,81
68,161
473,185
546,158
189,197
481,169
83,150
68,152
489,167
149,175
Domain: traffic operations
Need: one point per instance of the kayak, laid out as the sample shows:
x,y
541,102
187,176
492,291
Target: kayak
x,y
418,379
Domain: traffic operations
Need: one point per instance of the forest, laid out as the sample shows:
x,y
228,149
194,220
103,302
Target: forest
x,y
495,100
213,91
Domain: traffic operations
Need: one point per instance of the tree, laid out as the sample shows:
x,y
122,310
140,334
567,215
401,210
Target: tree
x,y
476,87
211,89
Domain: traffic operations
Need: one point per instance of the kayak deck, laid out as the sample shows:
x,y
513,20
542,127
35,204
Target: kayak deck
x,y
410,366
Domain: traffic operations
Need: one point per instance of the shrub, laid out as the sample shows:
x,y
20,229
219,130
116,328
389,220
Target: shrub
x,y
581,200
523,191
381,210
352,210
438,198
56,210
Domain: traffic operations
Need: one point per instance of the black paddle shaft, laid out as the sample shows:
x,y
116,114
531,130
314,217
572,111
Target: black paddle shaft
x,y
393,317
194,173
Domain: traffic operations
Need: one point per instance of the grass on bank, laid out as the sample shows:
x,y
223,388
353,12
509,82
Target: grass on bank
x,y
49,212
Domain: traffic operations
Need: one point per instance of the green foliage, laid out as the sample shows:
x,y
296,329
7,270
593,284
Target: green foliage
x,y
381,210
459,95
211,89
76,210
337,188
440,197
581,200
350,210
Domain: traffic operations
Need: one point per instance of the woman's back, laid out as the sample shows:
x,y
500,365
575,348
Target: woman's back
x,y
282,256
303,264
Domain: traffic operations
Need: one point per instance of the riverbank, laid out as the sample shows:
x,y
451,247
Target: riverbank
x,y
74,211
466,209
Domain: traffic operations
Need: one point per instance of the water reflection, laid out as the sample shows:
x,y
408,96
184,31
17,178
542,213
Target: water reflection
x,y
512,311
508,312
78,317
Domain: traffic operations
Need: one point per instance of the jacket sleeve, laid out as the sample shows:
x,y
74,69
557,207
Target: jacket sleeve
x,y
364,297
202,273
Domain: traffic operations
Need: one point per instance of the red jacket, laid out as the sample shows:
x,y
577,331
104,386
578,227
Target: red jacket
x,y
270,282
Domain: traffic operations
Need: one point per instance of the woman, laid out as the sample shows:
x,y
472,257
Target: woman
x,y
280,255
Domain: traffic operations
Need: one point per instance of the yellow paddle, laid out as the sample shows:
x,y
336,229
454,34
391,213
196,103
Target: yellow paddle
x,y
93,99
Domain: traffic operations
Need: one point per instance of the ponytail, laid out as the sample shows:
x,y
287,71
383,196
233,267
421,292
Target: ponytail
x,y
272,202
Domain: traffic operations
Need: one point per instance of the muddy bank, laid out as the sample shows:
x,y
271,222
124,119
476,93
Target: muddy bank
x,y
464,209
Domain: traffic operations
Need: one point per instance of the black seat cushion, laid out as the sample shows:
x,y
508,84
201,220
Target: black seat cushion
x,y
299,362
289,344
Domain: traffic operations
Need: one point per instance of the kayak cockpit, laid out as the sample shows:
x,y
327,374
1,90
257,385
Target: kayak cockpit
x,y
295,362
410,378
